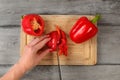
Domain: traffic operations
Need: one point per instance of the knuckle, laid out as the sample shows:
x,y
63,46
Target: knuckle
x,y
26,47
30,48
43,36
37,39
34,48
46,40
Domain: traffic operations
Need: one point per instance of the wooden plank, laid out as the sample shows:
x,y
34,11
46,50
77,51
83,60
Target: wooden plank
x,y
78,54
109,45
9,45
108,8
38,73
98,72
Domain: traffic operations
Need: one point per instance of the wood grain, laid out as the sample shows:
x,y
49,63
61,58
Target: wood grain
x,y
78,54
38,73
109,45
22,42
9,45
11,11
98,72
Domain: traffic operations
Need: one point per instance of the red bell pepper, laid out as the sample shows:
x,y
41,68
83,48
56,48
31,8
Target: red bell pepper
x,y
58,41
33,24
83,29
55,37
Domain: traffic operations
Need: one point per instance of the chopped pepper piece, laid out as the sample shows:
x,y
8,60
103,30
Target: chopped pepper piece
x,y
58,41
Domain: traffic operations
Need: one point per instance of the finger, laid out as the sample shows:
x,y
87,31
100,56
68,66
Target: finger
x,y
36,40
41,44
43,54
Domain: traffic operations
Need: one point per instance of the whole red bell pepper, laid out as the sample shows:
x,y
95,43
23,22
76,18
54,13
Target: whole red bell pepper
x,y
83,29
33,24
58,41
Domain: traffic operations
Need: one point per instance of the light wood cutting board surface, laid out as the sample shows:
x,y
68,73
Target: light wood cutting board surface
x,y
78,54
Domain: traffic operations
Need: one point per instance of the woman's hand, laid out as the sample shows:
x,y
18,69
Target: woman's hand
x,y
33,54
31,57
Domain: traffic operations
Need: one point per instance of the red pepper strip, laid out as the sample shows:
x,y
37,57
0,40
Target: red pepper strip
x,y
63,48
58,30
63,44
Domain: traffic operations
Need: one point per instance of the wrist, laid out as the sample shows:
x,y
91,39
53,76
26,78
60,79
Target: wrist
x,y
22,66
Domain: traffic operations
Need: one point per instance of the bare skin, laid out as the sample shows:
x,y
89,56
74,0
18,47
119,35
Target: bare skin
x,y
31,57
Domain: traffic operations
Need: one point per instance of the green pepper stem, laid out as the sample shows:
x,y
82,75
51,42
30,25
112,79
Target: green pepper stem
x,y
22,16
97,17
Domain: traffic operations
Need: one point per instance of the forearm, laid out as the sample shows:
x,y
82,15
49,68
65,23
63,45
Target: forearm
x,y
15,73
31,57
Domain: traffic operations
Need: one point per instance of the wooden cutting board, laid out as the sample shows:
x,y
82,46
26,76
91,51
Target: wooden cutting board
x,y
78,54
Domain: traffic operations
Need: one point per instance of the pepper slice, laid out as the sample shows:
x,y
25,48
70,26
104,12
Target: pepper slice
x,y
58,41
83,29
33,24
63,44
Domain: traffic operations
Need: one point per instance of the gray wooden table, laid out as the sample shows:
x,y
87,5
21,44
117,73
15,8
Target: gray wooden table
x,y
108,66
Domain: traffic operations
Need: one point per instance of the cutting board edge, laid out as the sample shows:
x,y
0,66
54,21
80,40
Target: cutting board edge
x,y
93,63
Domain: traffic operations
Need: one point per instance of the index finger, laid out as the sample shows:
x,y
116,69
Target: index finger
x,y
36,40
41,44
